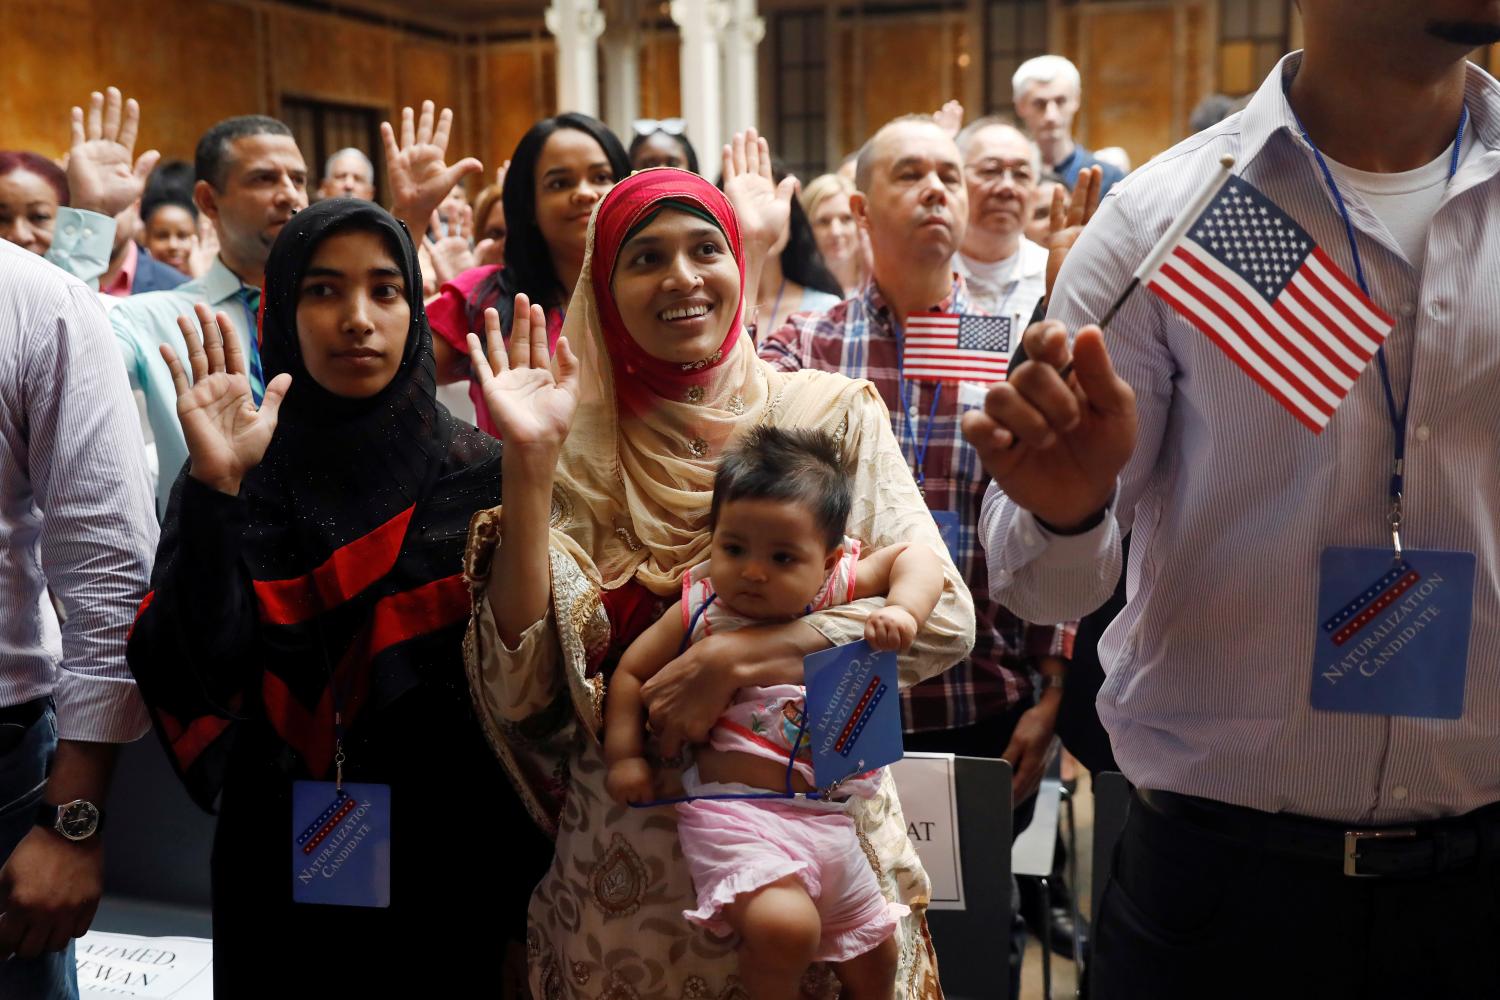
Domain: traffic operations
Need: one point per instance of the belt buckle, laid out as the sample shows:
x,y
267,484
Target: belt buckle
x,y
1352,839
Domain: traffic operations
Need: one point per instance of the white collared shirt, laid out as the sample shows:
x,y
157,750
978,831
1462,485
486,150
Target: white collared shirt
x,y
1011,287
75,507
1232,502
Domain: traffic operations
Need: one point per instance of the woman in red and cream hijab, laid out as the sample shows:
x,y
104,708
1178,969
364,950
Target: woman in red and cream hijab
x,y
608,465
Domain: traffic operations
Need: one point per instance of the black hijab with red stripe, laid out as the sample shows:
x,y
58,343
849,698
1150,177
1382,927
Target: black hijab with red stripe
x,y
352,552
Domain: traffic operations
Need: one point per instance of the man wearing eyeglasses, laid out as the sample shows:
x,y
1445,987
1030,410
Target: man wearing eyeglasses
x,y
1006,272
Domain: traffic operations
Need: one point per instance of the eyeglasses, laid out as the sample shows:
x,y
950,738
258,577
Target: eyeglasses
x,y
651,126
992,172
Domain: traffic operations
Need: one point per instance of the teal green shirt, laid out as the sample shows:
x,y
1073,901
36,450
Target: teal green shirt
x,y
142,323
81,244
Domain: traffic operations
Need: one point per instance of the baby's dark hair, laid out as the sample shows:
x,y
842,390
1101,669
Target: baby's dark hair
x,y
801,466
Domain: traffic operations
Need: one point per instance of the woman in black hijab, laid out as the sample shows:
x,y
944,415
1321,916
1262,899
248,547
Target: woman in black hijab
x,y
301,647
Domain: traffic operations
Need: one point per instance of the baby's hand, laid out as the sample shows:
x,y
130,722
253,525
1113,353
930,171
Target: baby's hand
x,y
891,628
629,780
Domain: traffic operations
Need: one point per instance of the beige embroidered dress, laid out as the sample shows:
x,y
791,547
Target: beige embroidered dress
x,y
630,503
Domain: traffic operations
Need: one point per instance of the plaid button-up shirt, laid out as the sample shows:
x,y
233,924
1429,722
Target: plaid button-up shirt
x,y
861,338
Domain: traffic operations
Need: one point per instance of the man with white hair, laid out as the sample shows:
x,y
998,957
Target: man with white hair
x,y
1006,272
1046,91
348,174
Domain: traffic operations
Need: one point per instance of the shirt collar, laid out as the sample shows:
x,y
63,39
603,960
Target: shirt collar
x,y
220,283
877,308
125,280
1269,112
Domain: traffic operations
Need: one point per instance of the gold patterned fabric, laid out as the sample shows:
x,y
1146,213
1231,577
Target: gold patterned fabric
x,y
631,503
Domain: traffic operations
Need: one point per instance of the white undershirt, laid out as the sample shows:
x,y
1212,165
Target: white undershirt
x,y
995,274
1405,202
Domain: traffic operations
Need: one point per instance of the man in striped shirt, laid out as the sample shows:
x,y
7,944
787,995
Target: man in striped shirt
x,y
1338,852
76,519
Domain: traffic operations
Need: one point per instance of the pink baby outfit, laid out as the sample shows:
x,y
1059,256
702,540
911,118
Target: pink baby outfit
x,y
736,846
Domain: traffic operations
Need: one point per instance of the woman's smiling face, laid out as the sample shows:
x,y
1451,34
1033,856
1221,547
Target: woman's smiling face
x,y
677,287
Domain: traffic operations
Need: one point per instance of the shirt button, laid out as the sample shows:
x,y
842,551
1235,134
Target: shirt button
x,y
1424,432
1437,309
913,412
1399,792
1408,309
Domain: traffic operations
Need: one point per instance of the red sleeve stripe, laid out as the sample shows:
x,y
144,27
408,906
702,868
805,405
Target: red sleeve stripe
x,y
395,619
346,573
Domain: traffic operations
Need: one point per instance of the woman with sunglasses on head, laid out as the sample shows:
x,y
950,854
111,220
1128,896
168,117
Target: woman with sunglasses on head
x,y
661,143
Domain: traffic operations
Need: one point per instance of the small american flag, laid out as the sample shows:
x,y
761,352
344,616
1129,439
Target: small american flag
x,y
1254,281
958,348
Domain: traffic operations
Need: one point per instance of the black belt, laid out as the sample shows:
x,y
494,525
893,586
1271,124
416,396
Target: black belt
x,y
1411,850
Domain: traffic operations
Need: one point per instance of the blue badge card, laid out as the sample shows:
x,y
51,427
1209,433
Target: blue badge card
x,y
341,844
853,711
947,525
1393,637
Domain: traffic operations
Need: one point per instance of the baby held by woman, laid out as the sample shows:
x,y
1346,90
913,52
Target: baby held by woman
x,y
787,874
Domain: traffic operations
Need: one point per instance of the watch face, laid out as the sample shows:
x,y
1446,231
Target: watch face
x,y
78,819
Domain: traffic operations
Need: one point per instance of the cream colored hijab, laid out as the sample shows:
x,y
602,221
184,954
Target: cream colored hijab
x,y
632,492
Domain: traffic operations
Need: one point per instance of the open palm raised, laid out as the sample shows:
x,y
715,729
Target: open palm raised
x,y
531,397
226,434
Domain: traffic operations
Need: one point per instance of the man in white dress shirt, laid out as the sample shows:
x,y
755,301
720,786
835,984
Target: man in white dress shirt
x,y
1286,837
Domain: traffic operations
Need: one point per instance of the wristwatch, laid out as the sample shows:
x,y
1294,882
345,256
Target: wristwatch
x,y
77,820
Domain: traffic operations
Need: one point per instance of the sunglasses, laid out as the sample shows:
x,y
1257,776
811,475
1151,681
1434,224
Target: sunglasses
x,y
651,126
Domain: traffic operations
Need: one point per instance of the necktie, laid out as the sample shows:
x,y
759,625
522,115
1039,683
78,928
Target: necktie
x,y
250,299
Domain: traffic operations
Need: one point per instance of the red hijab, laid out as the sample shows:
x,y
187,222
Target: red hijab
x,y
638,375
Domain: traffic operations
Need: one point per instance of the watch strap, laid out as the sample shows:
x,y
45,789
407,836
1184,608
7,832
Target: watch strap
x,y
47,815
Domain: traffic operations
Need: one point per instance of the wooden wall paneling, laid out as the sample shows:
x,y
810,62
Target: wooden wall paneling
x,y
329,58
1131,93
184,81
661,77
925,47
519,89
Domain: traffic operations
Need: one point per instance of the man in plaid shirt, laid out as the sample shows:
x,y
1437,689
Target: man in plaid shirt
x,y
913,202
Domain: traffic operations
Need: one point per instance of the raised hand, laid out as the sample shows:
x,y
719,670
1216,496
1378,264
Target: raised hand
x,y
417,168
1056,446
531,398
950,117
226,434
453,254
1070,213
763,207
104,175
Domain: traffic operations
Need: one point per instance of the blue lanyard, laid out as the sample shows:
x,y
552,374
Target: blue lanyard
x,y
908,431
919,452
1397,414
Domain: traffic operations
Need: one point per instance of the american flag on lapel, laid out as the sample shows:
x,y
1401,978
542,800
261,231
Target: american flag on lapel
x,y
1257,284
958,348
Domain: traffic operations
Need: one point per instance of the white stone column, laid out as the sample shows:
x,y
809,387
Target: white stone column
x,y
577,25
700,22
742,36
622,69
